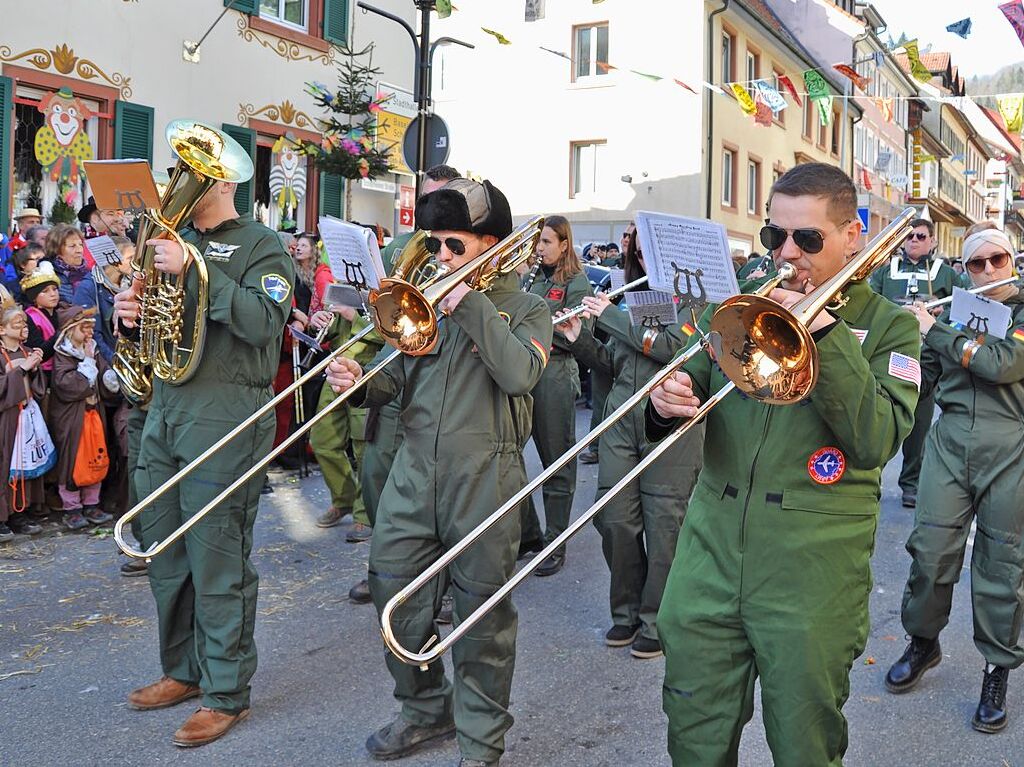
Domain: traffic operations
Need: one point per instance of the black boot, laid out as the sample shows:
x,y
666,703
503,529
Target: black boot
x,y
920,655
991,713
552,564
400,738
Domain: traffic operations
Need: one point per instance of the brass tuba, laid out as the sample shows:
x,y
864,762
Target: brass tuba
x,y
162,346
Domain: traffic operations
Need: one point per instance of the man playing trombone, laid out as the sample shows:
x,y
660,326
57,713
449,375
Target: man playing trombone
x,y
772,575
466,418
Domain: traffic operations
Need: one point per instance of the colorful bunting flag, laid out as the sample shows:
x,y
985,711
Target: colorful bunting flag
x,y
652,78
743,98
776,101
819,94
917,69
444,9
763,114
1011,107
604,66
1014,13
684,85
497,36
859,80
885,106
563,54
713,88
865,179
962,27
927,158
786,83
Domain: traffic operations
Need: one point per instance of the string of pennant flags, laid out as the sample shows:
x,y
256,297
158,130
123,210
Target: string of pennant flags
x,y
763,101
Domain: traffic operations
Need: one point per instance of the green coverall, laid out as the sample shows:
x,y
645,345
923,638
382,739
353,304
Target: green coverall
x,y
331,436
765,263
204,585
466,417
974,470
898,290
772,573
639,527
554,409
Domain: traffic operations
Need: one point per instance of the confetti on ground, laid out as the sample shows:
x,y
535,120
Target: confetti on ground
x,y
869,661
889,638
25,672
80,623
11,570
34,652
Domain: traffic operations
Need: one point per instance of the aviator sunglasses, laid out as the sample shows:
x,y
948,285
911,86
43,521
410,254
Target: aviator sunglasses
x,y
998,261
808,240
455,245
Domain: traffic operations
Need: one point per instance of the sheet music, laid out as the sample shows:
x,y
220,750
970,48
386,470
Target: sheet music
x,y
979,315
103,250
675,247
618,278
352,252
651,308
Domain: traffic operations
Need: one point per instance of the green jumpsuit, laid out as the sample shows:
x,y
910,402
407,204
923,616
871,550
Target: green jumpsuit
x,y
331,436
898,290
974,470
639,527
772,573
765,263
554,409
205,586
466,417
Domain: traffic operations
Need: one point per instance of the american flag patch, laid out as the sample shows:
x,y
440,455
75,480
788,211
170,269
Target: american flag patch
x,y
905,368
861,334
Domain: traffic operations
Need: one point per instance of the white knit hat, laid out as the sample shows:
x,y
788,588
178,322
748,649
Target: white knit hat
x,y
976,240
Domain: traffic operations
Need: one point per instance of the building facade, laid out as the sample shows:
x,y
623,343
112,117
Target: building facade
x,y
129,73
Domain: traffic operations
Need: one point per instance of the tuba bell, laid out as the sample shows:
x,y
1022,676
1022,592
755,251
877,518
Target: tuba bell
x,y
164,346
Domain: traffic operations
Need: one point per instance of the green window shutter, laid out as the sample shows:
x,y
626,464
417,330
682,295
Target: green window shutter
x,y
332,195
6,145
133,131
245,194
244,6
336,21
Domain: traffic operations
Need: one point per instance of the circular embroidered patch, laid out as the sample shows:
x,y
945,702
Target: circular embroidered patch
x,y
827,465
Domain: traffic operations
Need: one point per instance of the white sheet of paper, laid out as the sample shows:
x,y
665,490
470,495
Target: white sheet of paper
x,y
103,250
651,308
618,278
670,243
352,252
979,314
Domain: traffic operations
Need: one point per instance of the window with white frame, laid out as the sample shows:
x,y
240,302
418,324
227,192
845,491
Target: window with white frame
x,y
728,177
586,159
753,68
753,187
728,43
291,13
590,48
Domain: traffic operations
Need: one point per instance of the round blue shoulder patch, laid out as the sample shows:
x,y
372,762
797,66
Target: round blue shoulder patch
x,y
827,465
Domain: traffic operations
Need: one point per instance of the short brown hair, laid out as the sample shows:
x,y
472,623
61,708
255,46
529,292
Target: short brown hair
x,y
818,179
981,226
925,223
57,236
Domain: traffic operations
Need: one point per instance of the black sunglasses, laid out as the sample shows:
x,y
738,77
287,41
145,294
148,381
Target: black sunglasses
x,y
919,236
455,245
808,240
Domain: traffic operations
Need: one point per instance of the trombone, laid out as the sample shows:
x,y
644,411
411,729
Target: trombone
x,y
777,363
404,314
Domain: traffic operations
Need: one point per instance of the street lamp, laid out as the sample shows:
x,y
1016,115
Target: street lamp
x,y
424,51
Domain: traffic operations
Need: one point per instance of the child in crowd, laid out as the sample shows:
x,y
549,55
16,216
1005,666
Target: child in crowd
x,y
80,378
41,289
24,261
20,380
98,289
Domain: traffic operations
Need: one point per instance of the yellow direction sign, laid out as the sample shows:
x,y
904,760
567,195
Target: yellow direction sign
x,y
398,108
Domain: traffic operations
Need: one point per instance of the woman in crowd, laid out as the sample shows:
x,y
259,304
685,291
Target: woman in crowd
x,y
561,282
639,528
66,249
973,471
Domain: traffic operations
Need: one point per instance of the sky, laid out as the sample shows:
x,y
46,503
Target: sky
x,y
991,44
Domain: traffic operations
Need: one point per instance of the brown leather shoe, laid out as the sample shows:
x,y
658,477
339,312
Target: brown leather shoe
x,y
205,726
162,694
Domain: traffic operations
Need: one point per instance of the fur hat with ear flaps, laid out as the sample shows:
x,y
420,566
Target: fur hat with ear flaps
x,y
463,205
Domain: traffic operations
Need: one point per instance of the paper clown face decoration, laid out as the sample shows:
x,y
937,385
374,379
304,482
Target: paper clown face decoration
x,y
288,175
62,144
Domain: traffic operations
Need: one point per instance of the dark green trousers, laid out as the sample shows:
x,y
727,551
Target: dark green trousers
x,y
330,440
970,475
554,432
204,585
136,420
378,455
913,445
640,526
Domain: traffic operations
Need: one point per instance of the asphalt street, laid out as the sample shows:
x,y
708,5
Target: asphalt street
x,y
75,637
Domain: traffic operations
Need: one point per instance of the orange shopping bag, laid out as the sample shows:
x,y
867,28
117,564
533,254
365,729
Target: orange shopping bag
x,y
91,460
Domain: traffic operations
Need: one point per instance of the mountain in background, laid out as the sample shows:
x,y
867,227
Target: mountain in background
x,y
1008,79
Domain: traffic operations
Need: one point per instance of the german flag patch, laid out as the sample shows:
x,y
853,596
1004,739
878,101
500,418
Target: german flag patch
x,y
541,350
1018,335
688,329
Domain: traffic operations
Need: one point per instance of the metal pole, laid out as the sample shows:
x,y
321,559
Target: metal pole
x,y
423,102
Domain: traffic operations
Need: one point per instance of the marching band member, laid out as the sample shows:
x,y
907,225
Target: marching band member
x,y
772,574
465,417
972,473
561,282
204,585
639,527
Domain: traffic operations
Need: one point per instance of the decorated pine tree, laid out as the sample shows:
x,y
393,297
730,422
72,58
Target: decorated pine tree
x,y
349,144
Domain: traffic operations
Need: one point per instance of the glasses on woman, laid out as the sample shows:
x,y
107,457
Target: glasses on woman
x,y
808,240
998,261
454,244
